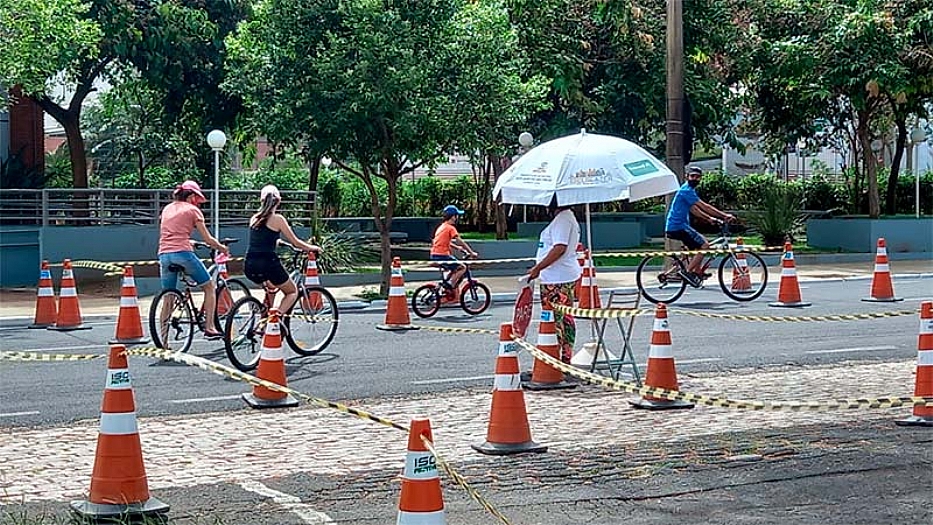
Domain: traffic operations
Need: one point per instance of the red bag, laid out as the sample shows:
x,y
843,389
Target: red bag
x,y
524,304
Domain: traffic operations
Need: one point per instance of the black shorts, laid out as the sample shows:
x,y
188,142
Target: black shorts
x,y
262,267
690,237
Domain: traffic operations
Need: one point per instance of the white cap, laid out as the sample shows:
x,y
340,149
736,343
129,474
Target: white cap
x,y
269,190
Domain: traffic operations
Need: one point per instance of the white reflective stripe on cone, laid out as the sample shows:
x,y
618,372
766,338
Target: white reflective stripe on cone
x,y
507,347
396,271
547,315
45,274
120,424
588,281
312,264
660,352
69,292
397,290
272,354
547,339
883,251
926,326
420,465
129,281
507,382
882,268
788,272
118,379
925,358
421,518
46,292
67,274
126,302
661,325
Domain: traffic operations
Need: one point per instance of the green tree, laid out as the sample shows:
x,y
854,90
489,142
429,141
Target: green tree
x,y
375,85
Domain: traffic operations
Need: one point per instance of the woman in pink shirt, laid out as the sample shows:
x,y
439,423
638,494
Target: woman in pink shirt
x,y
178,220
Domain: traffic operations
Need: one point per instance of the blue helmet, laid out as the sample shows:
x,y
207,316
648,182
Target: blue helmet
x,y
450,210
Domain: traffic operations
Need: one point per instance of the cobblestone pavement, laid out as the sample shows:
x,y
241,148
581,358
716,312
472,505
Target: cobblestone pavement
x,y
55,463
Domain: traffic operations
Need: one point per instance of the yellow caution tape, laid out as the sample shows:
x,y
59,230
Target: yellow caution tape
x,y
98,265
674,395
36,356
460,480
455,329
599,313
796,319
226,371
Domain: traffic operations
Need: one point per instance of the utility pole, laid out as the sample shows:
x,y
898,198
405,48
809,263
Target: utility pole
x,y
675,88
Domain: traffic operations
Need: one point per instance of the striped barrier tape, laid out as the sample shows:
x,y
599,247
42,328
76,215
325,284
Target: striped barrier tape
x,y
455,329
98,265
797,319
674,395
460,480
36,356
599,313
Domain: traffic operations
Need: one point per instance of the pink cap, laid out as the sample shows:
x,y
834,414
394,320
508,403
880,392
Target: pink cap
x,y
192,186
267,190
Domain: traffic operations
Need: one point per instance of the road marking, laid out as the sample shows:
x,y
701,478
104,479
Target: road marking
x,y
15,414
57,348
451,380
199,399
693,361
853,349
290,503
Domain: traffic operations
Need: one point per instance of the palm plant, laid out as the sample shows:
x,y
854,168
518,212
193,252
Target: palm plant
x,y
779,219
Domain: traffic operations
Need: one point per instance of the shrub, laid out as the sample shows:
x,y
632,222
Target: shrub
x,y
821,194
778,217
719,189
752,189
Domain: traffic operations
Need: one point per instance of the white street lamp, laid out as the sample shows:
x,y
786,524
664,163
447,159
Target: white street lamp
x,y
525,140
917,136
216,140
326,162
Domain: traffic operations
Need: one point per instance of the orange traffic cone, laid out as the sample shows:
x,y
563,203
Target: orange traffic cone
x,y
421,501
741,279
271,368
589,292
882,289
923,415
46,311
69,311
397,308
315,303
129,322
661,370
789,290
581,260
119,489
543,375
508,431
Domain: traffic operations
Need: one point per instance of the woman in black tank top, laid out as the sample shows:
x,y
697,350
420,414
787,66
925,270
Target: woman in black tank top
x,y
262,264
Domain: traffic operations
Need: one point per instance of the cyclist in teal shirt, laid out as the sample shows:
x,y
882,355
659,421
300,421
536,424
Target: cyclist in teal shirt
x,y
687,202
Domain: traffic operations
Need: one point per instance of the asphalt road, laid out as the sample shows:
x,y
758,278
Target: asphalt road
x,y
365,363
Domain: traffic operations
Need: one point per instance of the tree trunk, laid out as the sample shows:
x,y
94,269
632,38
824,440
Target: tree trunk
x,y
900,144
871,166
499,164
314,172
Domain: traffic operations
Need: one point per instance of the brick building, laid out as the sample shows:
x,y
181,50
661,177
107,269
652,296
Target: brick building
x,y
22,132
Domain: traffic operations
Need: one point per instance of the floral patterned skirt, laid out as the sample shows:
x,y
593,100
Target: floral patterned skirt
x,y
565,325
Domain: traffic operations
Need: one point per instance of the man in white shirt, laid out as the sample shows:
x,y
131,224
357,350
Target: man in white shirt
x,y
558,269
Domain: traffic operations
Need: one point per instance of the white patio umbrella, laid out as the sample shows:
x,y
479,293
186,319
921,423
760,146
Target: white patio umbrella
x,y
584,168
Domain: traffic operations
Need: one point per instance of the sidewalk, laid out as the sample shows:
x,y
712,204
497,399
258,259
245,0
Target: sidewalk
x,y
103,298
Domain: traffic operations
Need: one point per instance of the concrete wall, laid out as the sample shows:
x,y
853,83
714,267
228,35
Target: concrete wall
x,y
861,234
606,235
19,256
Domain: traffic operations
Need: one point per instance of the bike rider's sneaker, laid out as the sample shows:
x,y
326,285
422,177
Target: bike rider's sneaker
x,y
213,336
694,279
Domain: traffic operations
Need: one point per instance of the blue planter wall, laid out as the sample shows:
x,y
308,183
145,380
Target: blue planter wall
x,y
861,234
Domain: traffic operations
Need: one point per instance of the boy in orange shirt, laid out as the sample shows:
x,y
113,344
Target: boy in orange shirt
x,y
446,236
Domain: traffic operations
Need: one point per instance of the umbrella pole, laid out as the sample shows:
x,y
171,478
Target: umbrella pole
x,y
589,244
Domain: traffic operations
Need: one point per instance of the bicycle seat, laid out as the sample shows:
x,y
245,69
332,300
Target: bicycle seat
x,y
199,244
176,268
227,241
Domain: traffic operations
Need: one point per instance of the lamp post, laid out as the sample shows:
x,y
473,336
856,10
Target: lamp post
x,y
525,140
917,136
216,140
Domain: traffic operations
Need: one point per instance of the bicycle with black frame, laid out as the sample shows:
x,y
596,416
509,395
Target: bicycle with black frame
x,y
308,328
474,296
742,274
174,316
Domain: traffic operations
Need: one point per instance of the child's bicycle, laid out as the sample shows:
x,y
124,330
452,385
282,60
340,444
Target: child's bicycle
x,y
308,328
173,316
474,295
742,276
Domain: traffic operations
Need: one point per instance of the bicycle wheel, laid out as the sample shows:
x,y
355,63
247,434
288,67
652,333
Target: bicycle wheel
x,y
426,301
243,329
659,278
313,321
475,299
171,321
227,294
743,280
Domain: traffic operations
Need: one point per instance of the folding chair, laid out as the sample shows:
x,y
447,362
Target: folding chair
x,y
603,358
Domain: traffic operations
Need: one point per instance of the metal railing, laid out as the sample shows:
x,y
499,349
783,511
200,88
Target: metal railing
x,y
99,207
